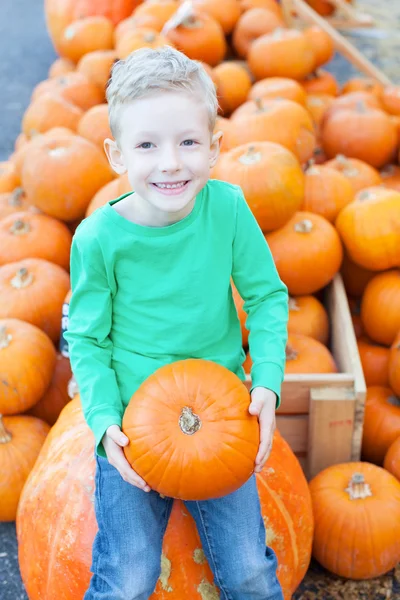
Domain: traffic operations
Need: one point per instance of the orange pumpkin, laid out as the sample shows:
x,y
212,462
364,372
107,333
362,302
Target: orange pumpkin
x,y
353,99
272,5
278,87
305,354
74,87
46,175
233,84
357,520
228,138
317,105
252,24
358,172
175,410
327,191
307,253
391,177
96,66
56,396
12,202
21,439
9,178
322,44
273,200
30,235
110,191
308,316
239,302
200,37
392,459
225,12
391,99
394,365
275,120
355,278
27,363
374,361
86,35
363,84
282,53
370,228
381,423
354,306
61,66
143,37
380,307
47,111
33,290
152,13
345,131
62,524
320,82
94,125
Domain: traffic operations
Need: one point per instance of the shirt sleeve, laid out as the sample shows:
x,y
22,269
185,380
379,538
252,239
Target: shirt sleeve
x,y
265,300
90,347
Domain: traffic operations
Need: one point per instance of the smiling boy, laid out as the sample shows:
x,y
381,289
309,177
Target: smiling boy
x,y
151,279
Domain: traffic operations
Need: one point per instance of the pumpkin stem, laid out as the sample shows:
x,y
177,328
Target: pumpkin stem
x,y
149,37
189,422
304,226
393,400
293,304
16,197
250,157
22,279
358,488
291,353
259,103
20,227
5,436
5,338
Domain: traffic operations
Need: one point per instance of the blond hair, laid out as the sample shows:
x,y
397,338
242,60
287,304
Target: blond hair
x,y
148,70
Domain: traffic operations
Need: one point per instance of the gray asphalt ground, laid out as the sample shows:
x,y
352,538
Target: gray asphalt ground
x,y
26,54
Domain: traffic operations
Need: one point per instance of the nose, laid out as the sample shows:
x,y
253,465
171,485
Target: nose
x,y
170,160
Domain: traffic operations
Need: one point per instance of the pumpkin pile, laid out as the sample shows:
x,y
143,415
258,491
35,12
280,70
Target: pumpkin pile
x,y
330,203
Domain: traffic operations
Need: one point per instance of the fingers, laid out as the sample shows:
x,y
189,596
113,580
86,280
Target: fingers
x,y
117,459
114,432
266,438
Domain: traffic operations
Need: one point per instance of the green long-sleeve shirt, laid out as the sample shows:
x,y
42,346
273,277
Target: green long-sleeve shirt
x,y
143,297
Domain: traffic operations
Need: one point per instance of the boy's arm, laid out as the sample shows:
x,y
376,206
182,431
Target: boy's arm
x,y
265,300
90,347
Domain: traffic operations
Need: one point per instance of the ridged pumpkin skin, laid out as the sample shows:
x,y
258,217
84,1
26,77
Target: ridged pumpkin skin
x,y
370,228
21,439
308,316
27,360
270,177
62,524
304,354
374,361
357,520
33,290
381,423
394,365
392,459
29,235
380,303
183,413
56,396
46,175
307,253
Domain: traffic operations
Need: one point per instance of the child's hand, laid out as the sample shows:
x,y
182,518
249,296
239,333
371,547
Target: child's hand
x,y
263,402
113,441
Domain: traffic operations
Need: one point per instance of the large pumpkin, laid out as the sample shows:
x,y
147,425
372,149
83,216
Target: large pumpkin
x,y
357,520
62,524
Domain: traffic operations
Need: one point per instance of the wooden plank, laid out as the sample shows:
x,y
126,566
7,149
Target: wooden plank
x,y
330,428
294,429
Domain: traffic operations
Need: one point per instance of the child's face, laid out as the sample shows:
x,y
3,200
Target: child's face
x,y
166,147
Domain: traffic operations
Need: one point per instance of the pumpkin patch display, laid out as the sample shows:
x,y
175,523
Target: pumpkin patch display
x,y
357,520
21,439
188,420
381,423
63,525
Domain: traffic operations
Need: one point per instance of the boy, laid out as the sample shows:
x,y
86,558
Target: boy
x,y
151,279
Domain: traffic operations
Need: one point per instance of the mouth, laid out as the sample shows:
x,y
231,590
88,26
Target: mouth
x,y
171,187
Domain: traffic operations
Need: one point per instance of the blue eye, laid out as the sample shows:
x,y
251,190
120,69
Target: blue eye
x,y
145,145
189,143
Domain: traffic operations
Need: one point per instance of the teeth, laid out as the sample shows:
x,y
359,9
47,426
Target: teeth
x,y
171,186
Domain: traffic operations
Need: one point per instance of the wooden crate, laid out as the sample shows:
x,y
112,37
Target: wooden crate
x,y
321,415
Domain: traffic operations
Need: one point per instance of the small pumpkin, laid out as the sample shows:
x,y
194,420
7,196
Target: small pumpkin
x,y
363,84
30,235
356,509
225,12
61,66
152,13
394,365
27,358
322,44
282,53
305,354
94,125
391,99
317,105
21,439
50,405
86,35
307,252
175,412
270,177
74,87
33,290
370,228
374,361
143,37
320,82
233,85
358,172
96,66
278,87
392,458
308,316
355,278
9,179
251,25
47,111
327,191
272,5
380,307
352,100
381,423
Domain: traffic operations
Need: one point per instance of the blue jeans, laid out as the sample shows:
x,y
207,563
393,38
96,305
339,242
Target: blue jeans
x,y
126,559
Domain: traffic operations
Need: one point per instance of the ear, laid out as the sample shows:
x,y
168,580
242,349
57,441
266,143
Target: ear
x,y
215,147
114,155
